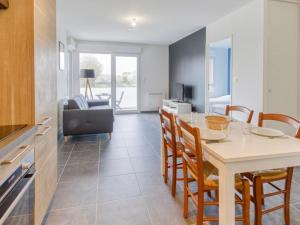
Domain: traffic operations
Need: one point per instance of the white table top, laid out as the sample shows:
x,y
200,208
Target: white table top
x,y
240,147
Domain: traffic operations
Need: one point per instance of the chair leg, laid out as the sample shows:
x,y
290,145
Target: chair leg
x,y
246,200
200,205
262,193
185,190
166,175
287,195
217,195
174,174
257,186
110,135
66,138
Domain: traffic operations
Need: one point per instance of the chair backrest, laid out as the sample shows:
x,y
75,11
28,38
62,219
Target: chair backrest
x,y
243,109
168,130
280,118
191,141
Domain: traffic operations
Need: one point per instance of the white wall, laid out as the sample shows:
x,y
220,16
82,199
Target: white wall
x,y
155,76
62,75
245,26
153,70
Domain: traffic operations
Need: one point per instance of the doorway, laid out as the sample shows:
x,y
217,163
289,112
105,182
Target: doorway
x,y
116,79
219,75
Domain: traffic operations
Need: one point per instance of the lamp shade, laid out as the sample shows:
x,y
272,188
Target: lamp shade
x,y
87,73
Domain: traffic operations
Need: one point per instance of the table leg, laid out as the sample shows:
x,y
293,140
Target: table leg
x,y
227,201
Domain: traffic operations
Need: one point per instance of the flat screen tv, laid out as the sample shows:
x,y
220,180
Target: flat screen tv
x,y
188,92
179,92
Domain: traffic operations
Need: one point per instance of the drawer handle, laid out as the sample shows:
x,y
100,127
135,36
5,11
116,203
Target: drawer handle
x,y
46,130
45,121
11,161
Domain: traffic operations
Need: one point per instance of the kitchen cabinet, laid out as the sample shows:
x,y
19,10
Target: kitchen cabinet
x,y
28,73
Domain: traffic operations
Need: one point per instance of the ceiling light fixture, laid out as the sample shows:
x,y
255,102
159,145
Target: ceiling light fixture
x,y
133,23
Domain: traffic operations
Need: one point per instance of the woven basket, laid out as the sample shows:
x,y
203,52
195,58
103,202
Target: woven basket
x,y
217,122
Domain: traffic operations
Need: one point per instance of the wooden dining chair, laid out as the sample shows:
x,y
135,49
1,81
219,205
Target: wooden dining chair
x,y
206,177
243,109
270,176
171,148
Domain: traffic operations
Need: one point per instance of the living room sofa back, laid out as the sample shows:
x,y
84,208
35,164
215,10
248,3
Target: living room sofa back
x,y
87,117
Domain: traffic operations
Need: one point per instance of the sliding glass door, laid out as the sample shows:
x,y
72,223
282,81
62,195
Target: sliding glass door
x,y
101,85
116,80
126,83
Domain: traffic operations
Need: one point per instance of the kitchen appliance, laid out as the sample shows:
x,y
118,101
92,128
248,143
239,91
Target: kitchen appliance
x,y
17,193
5,131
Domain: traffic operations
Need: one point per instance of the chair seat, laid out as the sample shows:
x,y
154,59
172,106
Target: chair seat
x,y
211,176
276,174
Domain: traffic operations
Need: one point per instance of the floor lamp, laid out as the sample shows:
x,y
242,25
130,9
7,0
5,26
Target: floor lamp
x,y
87,74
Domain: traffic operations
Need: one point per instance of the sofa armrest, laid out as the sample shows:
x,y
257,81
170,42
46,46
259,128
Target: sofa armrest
x,y
89,121
92,103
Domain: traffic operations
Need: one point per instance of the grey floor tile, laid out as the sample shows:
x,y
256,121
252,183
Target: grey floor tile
x,y
85,215
70,194
152,183
62,158
117,187
143,150
132,142
84,157
112,144
60,170
124,212
117,153
80,173
115,167
165,210
66,147
86,147
146,164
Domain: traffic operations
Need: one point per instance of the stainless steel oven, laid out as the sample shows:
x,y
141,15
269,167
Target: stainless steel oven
x,y
17,194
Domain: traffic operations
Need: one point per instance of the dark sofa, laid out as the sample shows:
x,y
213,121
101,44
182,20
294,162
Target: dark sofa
x,y
87,117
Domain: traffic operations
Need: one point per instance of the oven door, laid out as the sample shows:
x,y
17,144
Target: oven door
x,y
18,206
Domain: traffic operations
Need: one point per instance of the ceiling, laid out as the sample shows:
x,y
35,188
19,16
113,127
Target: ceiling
x,y
158,21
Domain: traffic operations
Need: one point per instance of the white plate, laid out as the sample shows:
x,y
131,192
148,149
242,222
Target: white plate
x,y
208,135
266,132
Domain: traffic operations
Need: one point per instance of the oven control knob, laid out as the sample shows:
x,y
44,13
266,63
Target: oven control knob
x,y
25,166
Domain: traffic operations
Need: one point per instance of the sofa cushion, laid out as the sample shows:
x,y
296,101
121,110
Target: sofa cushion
x,y
78,102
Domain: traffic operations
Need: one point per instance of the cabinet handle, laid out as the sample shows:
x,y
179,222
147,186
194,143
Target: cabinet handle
x,y
12,160
46,130
45,121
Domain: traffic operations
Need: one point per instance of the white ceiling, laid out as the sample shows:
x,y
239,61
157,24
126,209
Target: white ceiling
x,y
159,21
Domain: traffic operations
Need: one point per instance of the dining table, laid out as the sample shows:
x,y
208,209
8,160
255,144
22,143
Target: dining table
x,y
241,151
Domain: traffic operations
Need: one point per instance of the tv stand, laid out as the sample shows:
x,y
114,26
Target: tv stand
x,y
176,107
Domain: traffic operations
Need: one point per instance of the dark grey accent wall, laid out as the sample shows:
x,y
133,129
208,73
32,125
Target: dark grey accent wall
x,y
187,66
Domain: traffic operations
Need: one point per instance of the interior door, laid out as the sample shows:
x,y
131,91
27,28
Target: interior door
x,y
283,74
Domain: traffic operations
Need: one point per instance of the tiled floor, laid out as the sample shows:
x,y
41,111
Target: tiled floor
x,y
119,182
